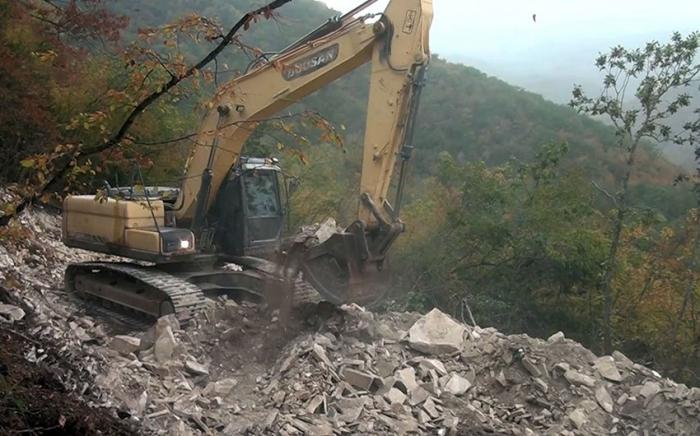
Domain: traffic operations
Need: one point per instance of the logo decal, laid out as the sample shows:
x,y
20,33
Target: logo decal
x,y
311,63
409,22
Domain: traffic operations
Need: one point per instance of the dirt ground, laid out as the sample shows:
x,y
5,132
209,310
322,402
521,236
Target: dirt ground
x,y
34,401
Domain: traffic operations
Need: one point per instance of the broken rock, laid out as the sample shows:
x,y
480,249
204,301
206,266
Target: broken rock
x,y
603,398
556,337
359,379
436,333
457,385
649,389
428,364
576,378
165,345
605,365
395,396
125,344
196,368
407,376
10,313
578,418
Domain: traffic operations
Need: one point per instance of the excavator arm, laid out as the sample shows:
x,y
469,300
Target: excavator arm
x,y
351,265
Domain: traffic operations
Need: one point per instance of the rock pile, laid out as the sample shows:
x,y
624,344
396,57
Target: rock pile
x,y
245,369
369,374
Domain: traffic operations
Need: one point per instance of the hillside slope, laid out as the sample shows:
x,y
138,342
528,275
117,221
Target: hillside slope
x,y
246,369
464,111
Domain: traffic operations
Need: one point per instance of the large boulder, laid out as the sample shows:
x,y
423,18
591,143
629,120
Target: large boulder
x,y
436,333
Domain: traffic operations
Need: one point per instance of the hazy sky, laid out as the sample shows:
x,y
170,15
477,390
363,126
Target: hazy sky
x,y
502,31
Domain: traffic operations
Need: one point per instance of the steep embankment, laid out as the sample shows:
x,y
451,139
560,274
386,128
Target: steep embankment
x,y
249,370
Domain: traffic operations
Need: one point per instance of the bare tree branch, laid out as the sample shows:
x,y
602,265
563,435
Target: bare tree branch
x,y
610,196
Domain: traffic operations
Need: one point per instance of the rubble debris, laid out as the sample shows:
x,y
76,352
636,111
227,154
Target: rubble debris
x,y
338,372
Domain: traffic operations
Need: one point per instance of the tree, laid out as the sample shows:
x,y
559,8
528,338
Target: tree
x,y
153,78
663,73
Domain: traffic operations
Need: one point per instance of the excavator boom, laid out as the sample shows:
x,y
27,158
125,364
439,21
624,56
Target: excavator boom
x,y
350,266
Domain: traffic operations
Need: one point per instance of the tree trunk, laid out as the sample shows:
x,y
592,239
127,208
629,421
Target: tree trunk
x,y
609,301
689,290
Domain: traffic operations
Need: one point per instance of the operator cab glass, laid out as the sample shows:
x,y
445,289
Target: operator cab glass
x,y
249,211
263,205
261,193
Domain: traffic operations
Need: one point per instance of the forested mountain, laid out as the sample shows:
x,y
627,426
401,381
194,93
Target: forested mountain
x,y
513,210
463,112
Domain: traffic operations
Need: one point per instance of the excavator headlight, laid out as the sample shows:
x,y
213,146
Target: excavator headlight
x,y
176,240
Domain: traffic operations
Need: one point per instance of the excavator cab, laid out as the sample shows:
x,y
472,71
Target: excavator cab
x,y
249,212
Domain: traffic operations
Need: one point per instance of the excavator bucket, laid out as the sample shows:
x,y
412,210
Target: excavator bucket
x,y
341,269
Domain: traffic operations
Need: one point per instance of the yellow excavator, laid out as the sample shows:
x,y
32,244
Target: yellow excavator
x,y
220,231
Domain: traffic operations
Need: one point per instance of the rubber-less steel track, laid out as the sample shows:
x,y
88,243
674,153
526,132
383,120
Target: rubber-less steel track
x,y
145,290
137,295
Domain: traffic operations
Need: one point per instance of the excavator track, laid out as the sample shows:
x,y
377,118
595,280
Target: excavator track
x,y
136,295
138,291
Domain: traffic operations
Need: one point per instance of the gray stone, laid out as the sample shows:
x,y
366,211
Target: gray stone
x,y
185,409
165,345
606,367
541,385
222,388
320,355
622,359
407,376
395,396
556,337
436,333
314,404
351,409
359,379
125,344
576,378
502,379
623,398
531,367
457,385
429,407
418,395
428,364
196,368
649,389
386,365
577,418
603,398
11,313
